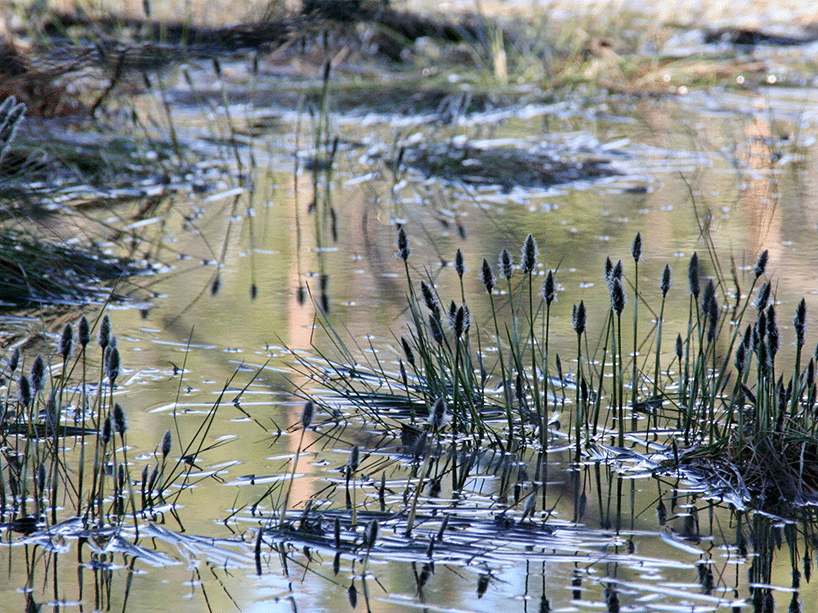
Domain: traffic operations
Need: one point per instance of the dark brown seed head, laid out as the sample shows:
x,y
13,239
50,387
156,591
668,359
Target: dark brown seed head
x,y
437,414
665,285
693,275
459,265
761,264
578,318
549,291
107,430
435,329
83,332
429,297
307,413
679,347
352,463
14,360
120,423
104,336
462,321
167,442
24,390
112,364
617,296
487,276
407,351
67,342
529,261
403,245
38,374
506,263
800,322
763,297
636,247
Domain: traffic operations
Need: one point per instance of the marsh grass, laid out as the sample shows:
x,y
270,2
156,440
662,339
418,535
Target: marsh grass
x,y
730,401
64,442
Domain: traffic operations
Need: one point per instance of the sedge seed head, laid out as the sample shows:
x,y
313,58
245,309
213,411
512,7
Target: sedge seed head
x,y
407,351
665,284
24,390
506,263
83,332
693,276
617,296
429,297
14,360
104,336
549,291
799,321
578,317
529,261
763,297
67,342
459,264
403,245
38,374
636,247
437,414
120,423
761,263
487,276
167,443
307,414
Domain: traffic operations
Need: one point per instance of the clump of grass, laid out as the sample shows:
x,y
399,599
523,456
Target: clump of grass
x,y
66,401
763,421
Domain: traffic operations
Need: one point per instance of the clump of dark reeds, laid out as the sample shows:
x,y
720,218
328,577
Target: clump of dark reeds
x,y
689,393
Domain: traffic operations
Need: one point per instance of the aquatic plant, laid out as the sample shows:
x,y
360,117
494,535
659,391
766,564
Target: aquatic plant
x,y
764,420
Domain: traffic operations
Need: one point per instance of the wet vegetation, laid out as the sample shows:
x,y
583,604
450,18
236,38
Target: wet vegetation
x,y
493,441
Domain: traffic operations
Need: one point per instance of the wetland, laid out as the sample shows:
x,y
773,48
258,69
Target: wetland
x,y
292,322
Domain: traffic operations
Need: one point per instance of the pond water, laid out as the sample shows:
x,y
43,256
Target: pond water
x,y
249,247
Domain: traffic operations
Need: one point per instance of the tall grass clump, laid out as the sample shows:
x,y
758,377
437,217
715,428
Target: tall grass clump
x,y
720,391
63,438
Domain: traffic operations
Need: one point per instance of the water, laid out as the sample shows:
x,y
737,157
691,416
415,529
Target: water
x,y
725,169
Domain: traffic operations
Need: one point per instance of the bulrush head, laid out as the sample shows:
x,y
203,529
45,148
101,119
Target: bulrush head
x,y
549,288
437,414
403,245
636,247
665,284
459,264
679,347
24,390
307,414
167,443
462,321
761,264
38,374
407,351
617,295
120,423
83,332
67,342
693,276
799,321
529,262
435,329
429,297
763,296
578,317
104,336
487,276
14,360
506,263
